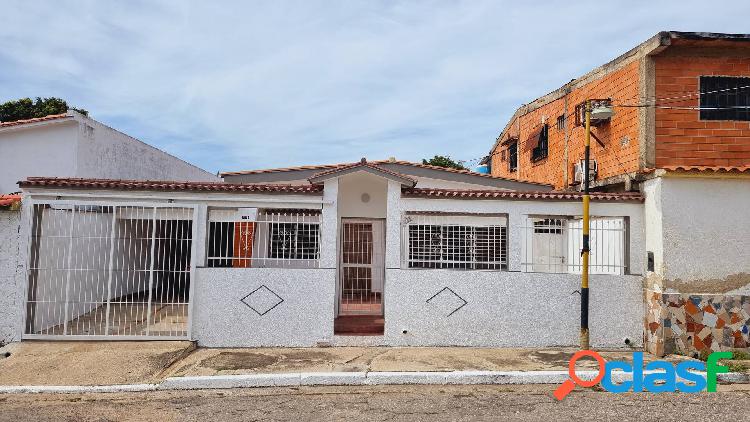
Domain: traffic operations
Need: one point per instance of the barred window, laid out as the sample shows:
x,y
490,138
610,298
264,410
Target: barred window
x,y
513,156
248,237
725,98
541,150
294,241
475,242
553,245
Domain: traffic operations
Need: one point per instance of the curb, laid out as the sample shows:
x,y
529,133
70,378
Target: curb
x,y
298,379
368,378
121,388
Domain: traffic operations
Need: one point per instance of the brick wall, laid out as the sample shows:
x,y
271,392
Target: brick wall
x,y
620,136
681,137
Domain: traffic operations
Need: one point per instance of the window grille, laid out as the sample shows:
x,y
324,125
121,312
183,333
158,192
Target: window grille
x,y
553,245
542,148
246,237
725,98
513,156
561,120
470,242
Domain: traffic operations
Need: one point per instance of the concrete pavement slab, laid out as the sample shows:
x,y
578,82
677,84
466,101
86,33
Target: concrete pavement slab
x,y
85,363
383,359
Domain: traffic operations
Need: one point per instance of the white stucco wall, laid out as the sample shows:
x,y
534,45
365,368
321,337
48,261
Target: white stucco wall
x,y
11,301
106,153
304,317
39,151
653,222
706,229
83,147
350,191
508,309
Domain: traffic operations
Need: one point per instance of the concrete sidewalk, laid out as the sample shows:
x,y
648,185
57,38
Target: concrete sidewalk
x,y
37,363
209,362
86,363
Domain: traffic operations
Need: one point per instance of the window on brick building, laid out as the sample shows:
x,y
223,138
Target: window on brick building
x,y
513,156
561,122
541,150
724,98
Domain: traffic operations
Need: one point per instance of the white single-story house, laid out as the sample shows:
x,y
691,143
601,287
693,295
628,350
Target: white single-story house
x,y
365,253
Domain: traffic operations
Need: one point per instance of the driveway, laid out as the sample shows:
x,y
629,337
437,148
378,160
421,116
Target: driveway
x,y
88,363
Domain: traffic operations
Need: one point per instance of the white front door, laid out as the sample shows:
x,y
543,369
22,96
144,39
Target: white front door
x,y
361,266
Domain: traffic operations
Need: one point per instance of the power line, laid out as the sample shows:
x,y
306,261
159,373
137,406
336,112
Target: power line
x,y
656,106
690,95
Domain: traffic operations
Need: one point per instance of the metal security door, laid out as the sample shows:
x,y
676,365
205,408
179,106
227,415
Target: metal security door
x,y
362,267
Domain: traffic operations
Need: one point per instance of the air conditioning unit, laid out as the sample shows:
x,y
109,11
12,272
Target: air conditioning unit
x,y
579,170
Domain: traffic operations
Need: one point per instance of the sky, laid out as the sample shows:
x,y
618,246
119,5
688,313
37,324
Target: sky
x,y
250,84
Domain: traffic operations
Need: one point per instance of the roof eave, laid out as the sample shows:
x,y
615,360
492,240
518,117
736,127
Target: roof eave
x,y
365,167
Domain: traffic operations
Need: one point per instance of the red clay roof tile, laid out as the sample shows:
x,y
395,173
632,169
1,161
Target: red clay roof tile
x,y
161,185
710,169
34,120
364,164
506,194
9,200
377,162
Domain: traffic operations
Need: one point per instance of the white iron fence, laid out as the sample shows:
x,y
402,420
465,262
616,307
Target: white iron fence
x,y
248,237
104,270
553,244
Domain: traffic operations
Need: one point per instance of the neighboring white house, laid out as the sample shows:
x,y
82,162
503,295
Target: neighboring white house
x,y
386,252
74,145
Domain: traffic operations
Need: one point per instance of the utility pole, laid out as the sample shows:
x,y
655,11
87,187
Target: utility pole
x,y
585,250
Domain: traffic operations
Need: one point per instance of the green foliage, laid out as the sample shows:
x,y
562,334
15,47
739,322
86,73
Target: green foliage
x,y
26,108
441,161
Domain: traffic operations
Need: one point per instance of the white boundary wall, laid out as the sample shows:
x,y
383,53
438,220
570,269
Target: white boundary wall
x,y
698,228
508,309
11,299
304,317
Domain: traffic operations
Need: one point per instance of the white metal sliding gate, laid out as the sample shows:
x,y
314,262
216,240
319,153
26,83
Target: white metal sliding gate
x,y
107,271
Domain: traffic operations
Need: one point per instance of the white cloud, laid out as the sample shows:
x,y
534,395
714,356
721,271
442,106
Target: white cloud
x,y
258,84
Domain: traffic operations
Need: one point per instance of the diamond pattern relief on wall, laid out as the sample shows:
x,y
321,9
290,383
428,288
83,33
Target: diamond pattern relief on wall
x,y
262,300
447,302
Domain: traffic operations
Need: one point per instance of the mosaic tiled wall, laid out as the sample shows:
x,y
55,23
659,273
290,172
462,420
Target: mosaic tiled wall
x,y
689,324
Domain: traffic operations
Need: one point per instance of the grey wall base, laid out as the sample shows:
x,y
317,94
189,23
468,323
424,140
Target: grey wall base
x,y
286,307
11,300
434,307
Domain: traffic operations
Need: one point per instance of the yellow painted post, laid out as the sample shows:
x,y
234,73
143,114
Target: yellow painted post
x,y
585,250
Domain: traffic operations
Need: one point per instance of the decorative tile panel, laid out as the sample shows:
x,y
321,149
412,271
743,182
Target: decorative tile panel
x,y
694,324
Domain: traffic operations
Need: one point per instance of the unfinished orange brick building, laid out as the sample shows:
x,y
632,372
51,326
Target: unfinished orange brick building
x,y
680,102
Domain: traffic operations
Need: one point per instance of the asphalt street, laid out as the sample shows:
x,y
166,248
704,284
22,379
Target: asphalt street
x,y
386,403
